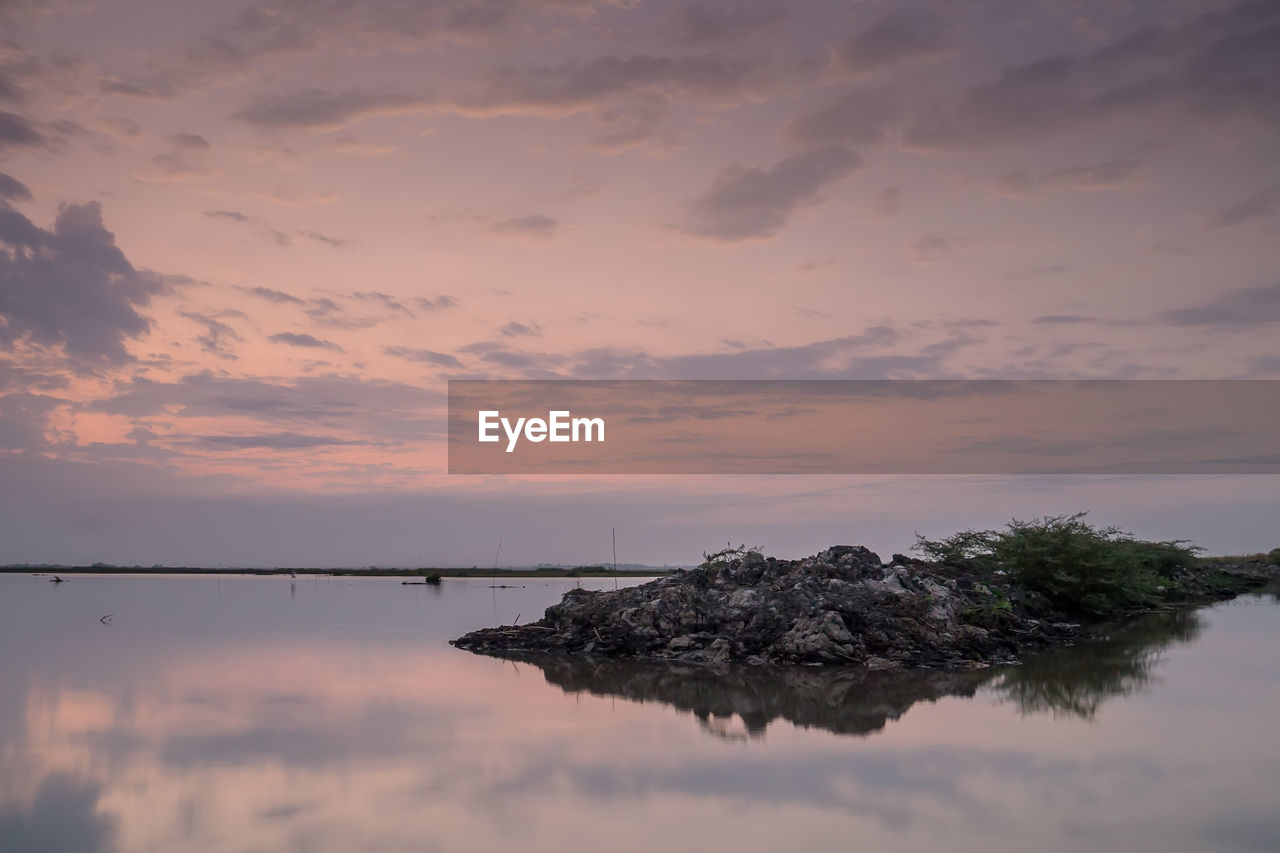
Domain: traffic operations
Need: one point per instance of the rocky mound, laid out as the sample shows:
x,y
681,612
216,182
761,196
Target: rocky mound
x,y
842,606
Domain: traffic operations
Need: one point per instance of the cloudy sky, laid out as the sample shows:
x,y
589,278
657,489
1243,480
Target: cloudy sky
x,y
243,249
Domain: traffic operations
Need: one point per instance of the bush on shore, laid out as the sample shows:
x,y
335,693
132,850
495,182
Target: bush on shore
x,y
1073,564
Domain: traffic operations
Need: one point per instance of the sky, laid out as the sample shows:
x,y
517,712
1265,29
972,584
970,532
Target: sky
x,y
244,247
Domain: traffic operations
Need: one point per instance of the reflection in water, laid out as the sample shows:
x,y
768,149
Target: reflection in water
x,y
331,716
854,701
63,816
847,701
1075,681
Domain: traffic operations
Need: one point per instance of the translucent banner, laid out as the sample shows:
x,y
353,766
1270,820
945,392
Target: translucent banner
x,y
864,427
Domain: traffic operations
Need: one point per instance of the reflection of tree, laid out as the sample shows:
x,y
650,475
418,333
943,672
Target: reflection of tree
x,y
63,816
1075,681
855,701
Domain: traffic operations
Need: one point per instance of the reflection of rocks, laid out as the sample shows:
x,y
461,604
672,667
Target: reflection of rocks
x,y
845,700
857,701
841,606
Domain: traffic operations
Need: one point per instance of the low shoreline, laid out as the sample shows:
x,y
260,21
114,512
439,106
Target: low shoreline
x,y
581,572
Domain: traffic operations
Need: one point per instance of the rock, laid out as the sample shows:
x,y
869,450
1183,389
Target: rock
x,y
841,606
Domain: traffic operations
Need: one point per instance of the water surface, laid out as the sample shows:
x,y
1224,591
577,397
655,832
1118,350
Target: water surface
x,y
264,714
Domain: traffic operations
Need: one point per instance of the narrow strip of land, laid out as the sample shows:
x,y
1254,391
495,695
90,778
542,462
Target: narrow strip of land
x,y
456,572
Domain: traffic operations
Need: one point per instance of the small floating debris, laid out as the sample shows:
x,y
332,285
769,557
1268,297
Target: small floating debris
x,y
56,579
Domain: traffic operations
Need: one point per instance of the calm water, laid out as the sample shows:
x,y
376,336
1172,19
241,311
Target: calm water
x,y
259,714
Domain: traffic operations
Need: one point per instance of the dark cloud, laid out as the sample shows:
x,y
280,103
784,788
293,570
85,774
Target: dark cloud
x,y
857,117
1019,182
19,132
888,201
70,286
257,33
1254,306
635,124
754,203
425,356
847,356
18,377
386,301
267,441
187,158
1062,319
516,330
704,23
303,340
507,358
1105,175
628,96
120,126
315,109
859,356
11,189
257,225
147,88
326,312
366,407
1098,176
277,296
218,336
901,36
23,419
1261,204
581,84
317,237
9,90
1267,365
1217,66
534,225
233,215
441,302
814,266
936,248
189,142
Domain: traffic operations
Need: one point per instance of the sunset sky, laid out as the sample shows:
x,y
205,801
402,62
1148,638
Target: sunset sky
x,y
242,248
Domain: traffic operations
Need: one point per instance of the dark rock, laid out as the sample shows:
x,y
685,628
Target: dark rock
x,y
841,606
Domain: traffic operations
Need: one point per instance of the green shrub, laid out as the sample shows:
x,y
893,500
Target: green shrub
x,y
1274,556
1073,564
967,546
